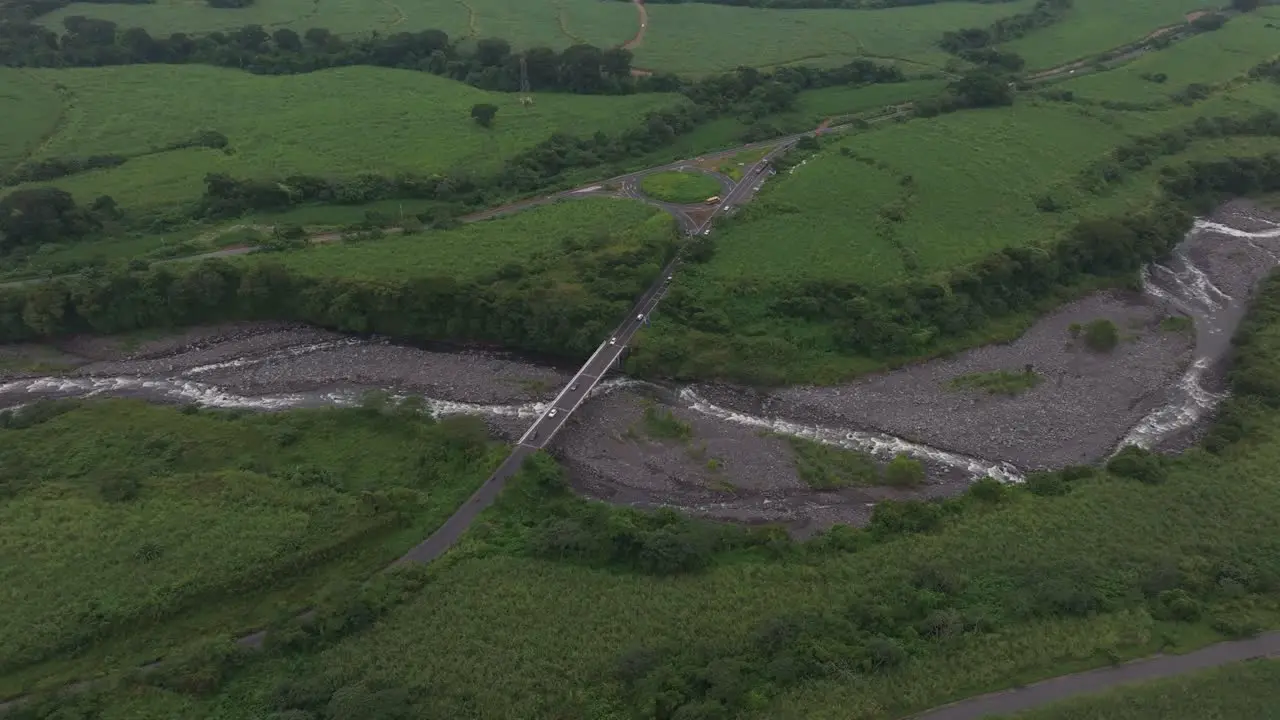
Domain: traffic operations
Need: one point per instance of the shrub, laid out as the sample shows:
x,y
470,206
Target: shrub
x,y
116,488
1101,335
1236,624
892,517
1177,605
988,489
1138,464
903,471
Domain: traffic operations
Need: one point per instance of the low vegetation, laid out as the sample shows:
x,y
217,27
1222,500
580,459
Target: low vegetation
x,y
661,424
122,515
999,382
680,187
1099,335
823,467
1178,324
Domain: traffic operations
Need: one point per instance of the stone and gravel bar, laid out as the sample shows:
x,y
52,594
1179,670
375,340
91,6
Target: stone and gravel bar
x,y
272,358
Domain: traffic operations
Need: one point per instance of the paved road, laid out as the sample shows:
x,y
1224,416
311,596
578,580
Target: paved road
x,y
1096,681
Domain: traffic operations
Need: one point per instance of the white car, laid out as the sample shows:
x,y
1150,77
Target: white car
x,y
613,341
640,317
552,413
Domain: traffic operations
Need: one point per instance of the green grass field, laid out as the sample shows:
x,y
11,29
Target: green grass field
x,y
534,237
697,38
31,110
119,514
680,187
1242,691
1209,59
1095,26
974,178
837,101
336,122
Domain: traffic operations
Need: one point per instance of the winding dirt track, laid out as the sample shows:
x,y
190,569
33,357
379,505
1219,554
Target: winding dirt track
x,y
638,40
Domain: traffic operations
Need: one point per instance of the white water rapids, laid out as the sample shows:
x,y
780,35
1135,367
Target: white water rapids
x,y
1183,285
1178,282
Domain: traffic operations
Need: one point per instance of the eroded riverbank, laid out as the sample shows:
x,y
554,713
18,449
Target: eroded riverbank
x,y
1152,389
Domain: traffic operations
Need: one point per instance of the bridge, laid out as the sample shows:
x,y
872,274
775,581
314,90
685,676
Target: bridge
x,y
554,417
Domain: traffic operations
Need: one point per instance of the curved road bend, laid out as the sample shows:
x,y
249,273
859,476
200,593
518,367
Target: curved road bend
x,y
1049,691
540,434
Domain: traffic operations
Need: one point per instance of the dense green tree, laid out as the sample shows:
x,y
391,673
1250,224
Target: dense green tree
x,y
983,88
483,113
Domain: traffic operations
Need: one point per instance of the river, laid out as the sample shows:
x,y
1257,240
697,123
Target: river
x,y
1154,391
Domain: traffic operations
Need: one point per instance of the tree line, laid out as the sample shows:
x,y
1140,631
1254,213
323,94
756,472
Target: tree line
x,y
560,304
491,64
1043,14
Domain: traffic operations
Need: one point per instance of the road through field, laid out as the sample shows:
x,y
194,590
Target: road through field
x,y
1095,681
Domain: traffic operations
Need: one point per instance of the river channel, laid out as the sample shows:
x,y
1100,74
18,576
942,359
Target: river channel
x,y
1153,390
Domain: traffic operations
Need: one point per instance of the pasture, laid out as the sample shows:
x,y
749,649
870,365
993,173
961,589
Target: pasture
x,y
558,24
698,38
683,38
920,196
118,514
986,577
31,110
1095,26
680,187
335,122
1211,58
528,237
1241,691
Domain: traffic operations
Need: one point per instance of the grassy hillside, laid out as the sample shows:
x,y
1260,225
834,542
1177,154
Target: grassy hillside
x,y
1243,691
31,110
960,185
1208,59
336,122
1095,26
119,514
